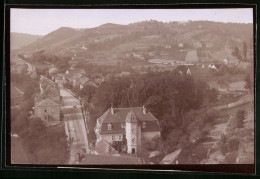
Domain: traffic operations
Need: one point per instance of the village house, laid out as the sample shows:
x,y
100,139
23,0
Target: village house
x,y
197,44
98,79
180,44
47,102
59,79
90,83
72,75
82,81
168,46
127,128
212,66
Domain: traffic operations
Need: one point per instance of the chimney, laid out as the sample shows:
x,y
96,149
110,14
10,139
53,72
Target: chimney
x,y
112,109
144,110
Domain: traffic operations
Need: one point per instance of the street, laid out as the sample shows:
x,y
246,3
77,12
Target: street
x,y
74,126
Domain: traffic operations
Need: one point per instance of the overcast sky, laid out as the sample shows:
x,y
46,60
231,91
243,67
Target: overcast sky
x,y
43,21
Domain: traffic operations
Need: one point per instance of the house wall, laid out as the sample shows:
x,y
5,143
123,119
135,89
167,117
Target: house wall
x,y
108,137
51,111
130,136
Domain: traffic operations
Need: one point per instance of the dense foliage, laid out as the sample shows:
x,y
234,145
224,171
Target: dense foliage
x,y
168,95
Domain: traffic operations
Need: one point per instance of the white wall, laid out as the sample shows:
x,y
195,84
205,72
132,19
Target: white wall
x,y
108,137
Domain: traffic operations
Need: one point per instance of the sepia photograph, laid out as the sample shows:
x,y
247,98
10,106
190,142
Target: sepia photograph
x,y
132,86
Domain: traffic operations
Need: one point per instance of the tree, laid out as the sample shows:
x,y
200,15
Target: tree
x,y
236,53
245,50
38,138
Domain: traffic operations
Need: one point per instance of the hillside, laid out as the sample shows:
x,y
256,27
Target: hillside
x,y
19,40
143,38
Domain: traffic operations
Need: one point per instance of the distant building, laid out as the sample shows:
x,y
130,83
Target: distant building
x,y
47,102
212,66
127,128
53,70
82,81
197,44
180,44
83,47
188,72
192,57
72,75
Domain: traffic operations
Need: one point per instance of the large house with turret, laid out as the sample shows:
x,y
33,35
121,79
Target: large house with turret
x,y
127,128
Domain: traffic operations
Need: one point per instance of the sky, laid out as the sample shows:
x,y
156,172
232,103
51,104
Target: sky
x,y
44,21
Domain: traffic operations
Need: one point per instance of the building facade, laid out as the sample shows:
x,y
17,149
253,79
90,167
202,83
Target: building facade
x,y
127,128
47,102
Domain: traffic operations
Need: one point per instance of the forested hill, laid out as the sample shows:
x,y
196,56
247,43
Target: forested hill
x,y
108,36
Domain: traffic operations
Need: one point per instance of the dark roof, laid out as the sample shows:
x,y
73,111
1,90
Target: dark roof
x,y
49,92
156,159
109,160
119,117
46,102
83,79
46,83
131,117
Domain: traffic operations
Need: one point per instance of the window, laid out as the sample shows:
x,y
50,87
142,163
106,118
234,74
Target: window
x,y
144,125
109,127
122,125
45,110
120,137
113,138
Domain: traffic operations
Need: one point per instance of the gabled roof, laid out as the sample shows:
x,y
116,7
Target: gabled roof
x,y
82,80
49,92
131,117
103,148
47,102
169,159
119,118
46,83
90,83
